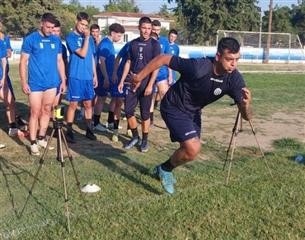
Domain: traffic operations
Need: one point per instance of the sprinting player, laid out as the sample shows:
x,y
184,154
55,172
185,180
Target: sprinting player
x,y
202,82
41,54
141,51
161,85
106,60
57,32
6,91
82,74
173,50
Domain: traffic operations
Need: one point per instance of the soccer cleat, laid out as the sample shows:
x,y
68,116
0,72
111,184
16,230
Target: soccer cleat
x,y
100,127
70,137
90,135
13,132
132,143
167,179
35,150
43,143
144,146
110,126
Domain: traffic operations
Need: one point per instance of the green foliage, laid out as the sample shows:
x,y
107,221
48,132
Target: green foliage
x,y
288,143
121,6
202,19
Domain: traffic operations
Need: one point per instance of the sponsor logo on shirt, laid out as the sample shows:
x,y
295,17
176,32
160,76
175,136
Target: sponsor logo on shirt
x,y
45,40
188,133
216,80
217,91
41,45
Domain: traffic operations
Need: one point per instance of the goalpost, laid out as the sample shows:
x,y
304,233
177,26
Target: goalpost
x,y
284,47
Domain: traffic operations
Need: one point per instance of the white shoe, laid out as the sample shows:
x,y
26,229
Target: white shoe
x,y
115,136
129,133
100,127
2,145
43,143
13,132
35,150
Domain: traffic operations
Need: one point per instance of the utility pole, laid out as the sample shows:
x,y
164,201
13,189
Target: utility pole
x,y
266,59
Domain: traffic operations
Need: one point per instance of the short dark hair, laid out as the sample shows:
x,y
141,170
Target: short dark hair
x,y
228,43
94,26
156,23
57,23
116,27
174,31
144,20
83,16
48,17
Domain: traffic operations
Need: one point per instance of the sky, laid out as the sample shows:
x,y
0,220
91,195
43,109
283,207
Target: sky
x,y
153,6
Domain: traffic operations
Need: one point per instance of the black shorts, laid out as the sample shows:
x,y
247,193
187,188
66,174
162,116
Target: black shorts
x,y
132,99
182,126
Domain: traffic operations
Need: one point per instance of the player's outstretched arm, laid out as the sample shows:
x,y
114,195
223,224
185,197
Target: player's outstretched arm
x,y
157,62
245,106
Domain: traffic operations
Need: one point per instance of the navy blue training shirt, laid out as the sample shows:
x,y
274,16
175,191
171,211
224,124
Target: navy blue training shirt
x,y
198,86
141,53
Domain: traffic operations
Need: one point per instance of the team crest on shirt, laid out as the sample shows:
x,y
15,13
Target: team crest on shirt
x,y
79,43
217,91
41,45
52,45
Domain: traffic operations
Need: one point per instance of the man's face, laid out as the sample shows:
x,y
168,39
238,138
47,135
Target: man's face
x,y
57,31
116,37
172,38
156,29
145,30
47,28
95,33
228,60
82,26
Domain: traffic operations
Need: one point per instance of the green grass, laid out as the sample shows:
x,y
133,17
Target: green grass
x,y
132,205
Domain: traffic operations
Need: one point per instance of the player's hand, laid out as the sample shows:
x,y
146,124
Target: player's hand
x,y
114,78
86,32
95,82
246,96
148,91
26,88
62,88
106,83
135,81
120,87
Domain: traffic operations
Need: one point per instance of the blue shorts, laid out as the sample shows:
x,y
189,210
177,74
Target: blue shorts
x,y
42,87
80,90
182,126
162,75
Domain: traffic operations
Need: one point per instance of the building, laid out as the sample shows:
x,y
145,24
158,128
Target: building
x,y
130,21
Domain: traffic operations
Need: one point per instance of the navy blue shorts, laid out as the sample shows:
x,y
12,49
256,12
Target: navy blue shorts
x,y
100,90
10,86
132,99
182,126
114,92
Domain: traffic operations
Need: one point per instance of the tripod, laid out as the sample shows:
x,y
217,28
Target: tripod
x,y
237,128
57,127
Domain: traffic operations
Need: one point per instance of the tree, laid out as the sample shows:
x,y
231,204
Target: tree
x,y
121,6
202,18
298,21
22,16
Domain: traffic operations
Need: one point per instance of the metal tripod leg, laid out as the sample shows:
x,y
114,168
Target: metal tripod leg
x,y
233,140
235,131
41,161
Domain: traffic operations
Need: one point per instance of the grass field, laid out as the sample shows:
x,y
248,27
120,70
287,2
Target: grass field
x,y
132,205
